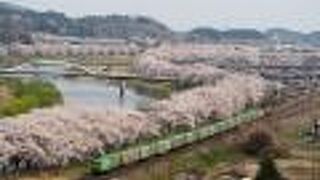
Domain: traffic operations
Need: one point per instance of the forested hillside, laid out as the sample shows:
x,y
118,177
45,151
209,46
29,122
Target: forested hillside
x,y
17,23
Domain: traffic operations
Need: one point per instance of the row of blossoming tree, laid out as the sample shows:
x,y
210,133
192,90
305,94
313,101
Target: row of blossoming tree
x,y
60,135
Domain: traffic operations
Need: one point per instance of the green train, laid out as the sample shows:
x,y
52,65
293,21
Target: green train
x,y
110,161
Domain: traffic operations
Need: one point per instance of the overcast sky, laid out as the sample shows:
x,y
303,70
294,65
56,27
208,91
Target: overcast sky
x,y
185,14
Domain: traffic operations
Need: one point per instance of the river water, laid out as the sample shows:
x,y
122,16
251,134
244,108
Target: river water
x,y
97,92
87,90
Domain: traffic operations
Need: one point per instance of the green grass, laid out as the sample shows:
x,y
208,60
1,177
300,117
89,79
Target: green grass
x,y
205,160
157,89
28,94
218,154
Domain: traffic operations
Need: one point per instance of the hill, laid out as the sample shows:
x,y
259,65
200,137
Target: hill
x,y
17,23
284,36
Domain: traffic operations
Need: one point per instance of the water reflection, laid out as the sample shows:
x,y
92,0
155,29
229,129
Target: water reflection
x,y
97,92
86,91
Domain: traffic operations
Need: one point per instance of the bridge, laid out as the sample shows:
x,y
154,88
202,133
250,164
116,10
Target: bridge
x,y
61,68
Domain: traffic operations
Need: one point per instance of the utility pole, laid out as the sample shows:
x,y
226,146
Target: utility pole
x,y
316,129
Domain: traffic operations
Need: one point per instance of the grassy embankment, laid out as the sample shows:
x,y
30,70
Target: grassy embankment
x,y
157,90
20,96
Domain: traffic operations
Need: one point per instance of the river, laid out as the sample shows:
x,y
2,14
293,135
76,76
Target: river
x,y
97,92
87,90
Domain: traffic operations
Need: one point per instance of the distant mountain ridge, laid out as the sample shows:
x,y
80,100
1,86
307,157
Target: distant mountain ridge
x,y
17,23
284,36
11,7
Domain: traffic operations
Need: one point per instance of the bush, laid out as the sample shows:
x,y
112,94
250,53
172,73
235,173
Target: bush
x,y
258,143
28,94
268,170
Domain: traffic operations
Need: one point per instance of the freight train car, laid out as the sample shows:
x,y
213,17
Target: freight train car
x,y
107,162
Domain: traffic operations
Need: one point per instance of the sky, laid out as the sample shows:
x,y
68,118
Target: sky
x,y
302,15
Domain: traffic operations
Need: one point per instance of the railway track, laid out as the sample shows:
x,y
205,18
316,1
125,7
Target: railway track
x,y
294,105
